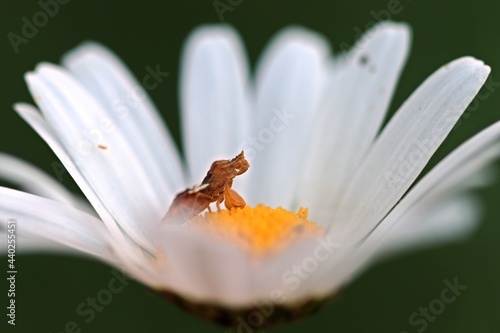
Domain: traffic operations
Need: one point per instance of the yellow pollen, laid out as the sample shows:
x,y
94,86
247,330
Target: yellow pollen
x,y
258,230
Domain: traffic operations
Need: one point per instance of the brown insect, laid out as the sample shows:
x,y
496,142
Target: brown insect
x,y
215,187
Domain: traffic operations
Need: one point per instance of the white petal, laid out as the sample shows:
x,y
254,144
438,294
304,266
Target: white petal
x,y
333,275
203,269
432,223
350,116
289,81
214,98
453,174
293,271
329,267
130,107
55,221
458,167
36,181
40,218
102,153
405,146
35,120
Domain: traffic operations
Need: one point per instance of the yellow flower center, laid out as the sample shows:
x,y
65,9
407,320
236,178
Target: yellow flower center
x,y
258,230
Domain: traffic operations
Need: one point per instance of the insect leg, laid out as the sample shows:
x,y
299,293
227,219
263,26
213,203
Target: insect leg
x,y
219,201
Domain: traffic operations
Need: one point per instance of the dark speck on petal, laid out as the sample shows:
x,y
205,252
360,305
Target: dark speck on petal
x,y
363,60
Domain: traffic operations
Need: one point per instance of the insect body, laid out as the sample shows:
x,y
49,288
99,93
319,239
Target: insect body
x,y
215,187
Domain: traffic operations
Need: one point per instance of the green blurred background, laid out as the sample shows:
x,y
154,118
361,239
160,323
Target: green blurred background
x,y
149,32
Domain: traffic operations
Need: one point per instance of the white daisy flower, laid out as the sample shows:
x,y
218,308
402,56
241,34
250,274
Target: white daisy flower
x,y
310,126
